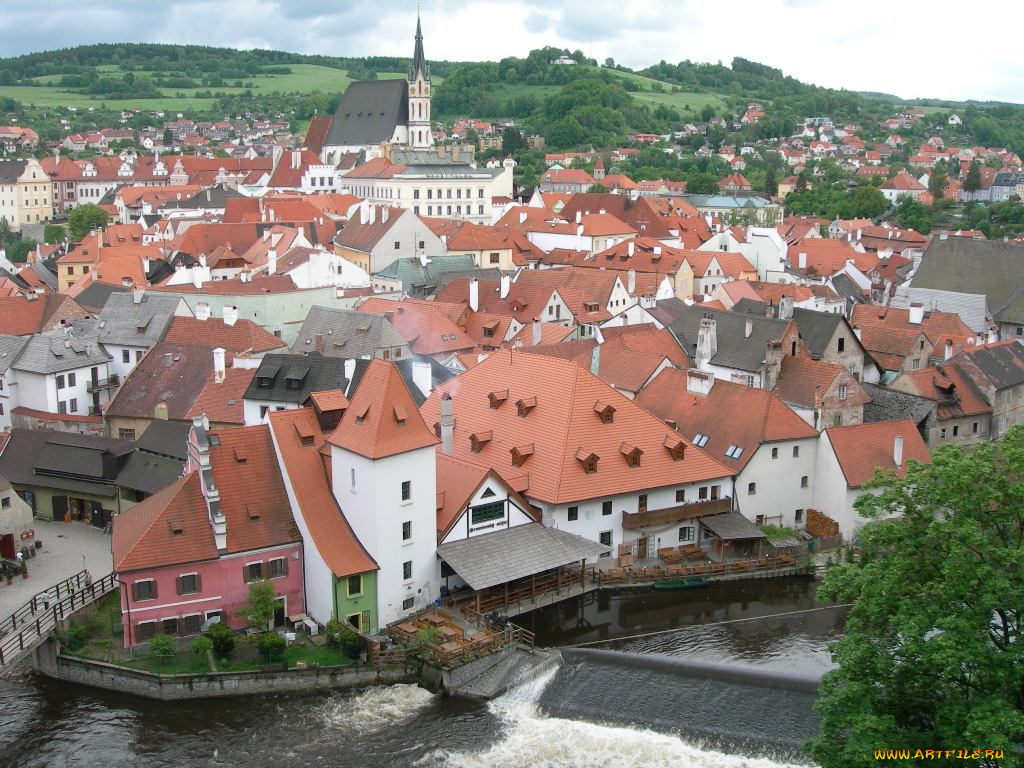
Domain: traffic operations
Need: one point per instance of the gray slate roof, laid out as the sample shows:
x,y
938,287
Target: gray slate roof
x,y
420,280
817,329
315,372
847,289
148,472
439,374
10,170
10,348
76,346
988,267
506,555
48,277
368,113
735,348
127,322
96,295
732,526
892,405
1002,365
165,438
346,333
972,307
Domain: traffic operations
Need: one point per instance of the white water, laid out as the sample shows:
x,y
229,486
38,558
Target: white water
x,y
529,738
376,708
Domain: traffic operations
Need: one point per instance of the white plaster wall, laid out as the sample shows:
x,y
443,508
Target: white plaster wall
x,y
778,482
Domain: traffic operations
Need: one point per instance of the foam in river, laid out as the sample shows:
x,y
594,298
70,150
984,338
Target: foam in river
x,y
377,708
530,738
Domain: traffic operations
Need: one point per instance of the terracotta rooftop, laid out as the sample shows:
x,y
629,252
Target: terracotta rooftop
x,y
863,448
242,337
221,401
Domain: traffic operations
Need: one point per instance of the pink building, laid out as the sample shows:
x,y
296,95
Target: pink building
x,y
189,552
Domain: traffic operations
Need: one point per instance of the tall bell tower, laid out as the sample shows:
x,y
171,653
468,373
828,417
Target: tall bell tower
x,y
420,133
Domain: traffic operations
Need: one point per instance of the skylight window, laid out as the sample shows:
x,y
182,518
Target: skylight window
x,y
700,439
734,451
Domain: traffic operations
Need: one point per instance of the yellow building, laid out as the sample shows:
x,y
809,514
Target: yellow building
x,y
26,193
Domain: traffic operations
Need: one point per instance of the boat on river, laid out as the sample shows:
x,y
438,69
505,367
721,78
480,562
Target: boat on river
x,y
687,582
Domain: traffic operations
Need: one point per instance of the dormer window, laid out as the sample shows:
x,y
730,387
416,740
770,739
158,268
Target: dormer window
x,y
525,405
497,398
479,439
588,460
240,455
177,528
521,453
252,511
401,415
632,454
700,439
676,447
605,411
360,412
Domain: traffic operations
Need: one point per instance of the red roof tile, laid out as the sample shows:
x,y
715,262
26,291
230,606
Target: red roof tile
x,y
221,401
863,448
242,337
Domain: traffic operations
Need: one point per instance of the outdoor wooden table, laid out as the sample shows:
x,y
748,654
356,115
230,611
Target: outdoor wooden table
x,y
450,646
434,620
409,629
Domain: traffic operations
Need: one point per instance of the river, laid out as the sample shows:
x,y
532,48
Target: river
x,y
584,714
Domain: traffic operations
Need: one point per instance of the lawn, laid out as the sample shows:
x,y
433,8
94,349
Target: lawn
x,y
56,97
185,663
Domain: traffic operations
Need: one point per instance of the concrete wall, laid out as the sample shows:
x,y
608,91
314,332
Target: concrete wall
x,y
211,685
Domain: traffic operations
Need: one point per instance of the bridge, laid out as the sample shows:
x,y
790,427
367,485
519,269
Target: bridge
x,y
35,620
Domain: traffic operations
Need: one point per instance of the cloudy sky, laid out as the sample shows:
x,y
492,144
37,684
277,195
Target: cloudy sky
x,y
911,48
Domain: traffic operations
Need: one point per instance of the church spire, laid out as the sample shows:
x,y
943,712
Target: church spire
x,y
419,60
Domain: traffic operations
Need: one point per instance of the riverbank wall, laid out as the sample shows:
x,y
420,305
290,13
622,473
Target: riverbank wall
x,y
49,662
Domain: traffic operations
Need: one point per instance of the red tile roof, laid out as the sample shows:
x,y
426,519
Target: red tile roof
x,y
428,326
647,338
457,481
826,257
730,414
299,440
242,337
558,399
382,419
863,448
881,327
21,317
221,402
804,382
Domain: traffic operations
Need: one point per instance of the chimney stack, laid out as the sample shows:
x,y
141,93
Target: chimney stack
x,y
707,343
897,450
474,294
699,382
949,349
522,217
630,248
631,282
318,343
536,331
230,315
168,360
202,311
219,371
350,370
786,308
272,261
447,425
748,328
595,360
506,286
422,377
916,314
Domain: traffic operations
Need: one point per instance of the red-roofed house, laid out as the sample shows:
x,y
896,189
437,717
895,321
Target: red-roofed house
x,y
902,185
188,553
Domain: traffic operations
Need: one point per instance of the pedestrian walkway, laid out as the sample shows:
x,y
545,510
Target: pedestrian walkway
x,y
61,557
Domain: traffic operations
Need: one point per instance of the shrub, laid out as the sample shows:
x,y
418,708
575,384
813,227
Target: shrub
x,y
271,646
340,635
162,646
201,645
74,638
222,637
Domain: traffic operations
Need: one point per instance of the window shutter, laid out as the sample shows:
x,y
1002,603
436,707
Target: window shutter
x,y
177,584
265,569
199,583
135,594
154,589
285,569
245,573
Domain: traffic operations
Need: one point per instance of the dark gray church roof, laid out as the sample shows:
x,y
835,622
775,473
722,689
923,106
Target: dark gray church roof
x,y
368,113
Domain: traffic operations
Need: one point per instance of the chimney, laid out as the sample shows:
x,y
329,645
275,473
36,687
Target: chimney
x,y
707,343
579,217
631,282
949,349
447,425
916,313
897,450
506,286
364,208
296,159
536,331
522,217
385,214
272,261
595,360
422,377
318,343
802,260
786,308
630,248
657,250
202,259
218,365
245,276
202,311
748,328
168,360
474,294
160,411
371,214
230,315
138,295
699,382
858,235
350,370
127,282
197,277
145,266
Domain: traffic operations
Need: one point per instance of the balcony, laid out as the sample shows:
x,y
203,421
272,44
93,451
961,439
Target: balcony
x,y
100,384
637,521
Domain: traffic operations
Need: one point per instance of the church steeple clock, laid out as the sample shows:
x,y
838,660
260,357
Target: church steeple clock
x,y
420,134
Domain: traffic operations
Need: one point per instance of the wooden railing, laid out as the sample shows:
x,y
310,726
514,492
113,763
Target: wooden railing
x,y
646,575
38,617
632,521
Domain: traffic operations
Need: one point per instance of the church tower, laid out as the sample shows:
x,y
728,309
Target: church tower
x,y
420,133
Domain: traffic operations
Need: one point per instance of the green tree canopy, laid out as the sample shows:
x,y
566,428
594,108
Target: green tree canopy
x,y
85,218
972,181
933,655
259,611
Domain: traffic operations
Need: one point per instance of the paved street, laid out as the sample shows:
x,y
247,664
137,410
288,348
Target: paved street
x,y
61,557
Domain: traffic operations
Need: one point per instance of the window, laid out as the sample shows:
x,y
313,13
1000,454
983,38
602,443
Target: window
x,y
775,453
916,364
956,431
126,356
803,481
415,194
605,537
253,572
841,345
495,258
73,405
792,349
5,502
145,630
188,584
641,503
686,533
406,490
408,603
700,439
751,489
974,428
606,508
60,381
485,513
397,245
191,625
352,477
837,419
355,585
62,407
715,489
574,514
942,434
278,567
144,590
407,530
71,379
734,451
796,451
842,391
702,493
407,570
798,516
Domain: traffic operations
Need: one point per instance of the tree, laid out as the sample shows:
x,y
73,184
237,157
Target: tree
x,y
801,183
933,647
868,202
222,637
271,646
972,181
771,183
54,233
259,611
162,647
512,140
168,140
85,218
938,181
